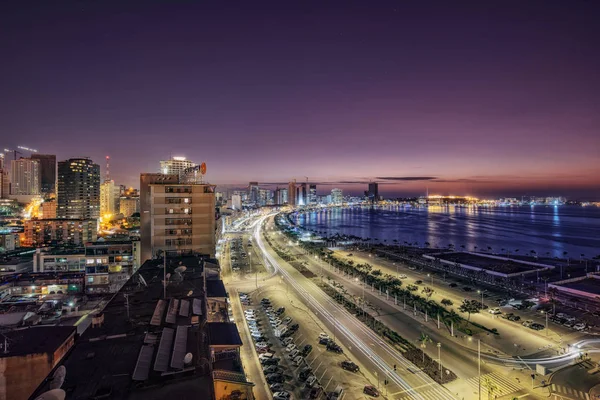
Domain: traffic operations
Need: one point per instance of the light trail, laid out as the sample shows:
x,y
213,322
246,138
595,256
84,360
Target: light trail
x,y
358,343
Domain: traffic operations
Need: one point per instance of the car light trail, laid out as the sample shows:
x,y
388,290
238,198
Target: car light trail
x,y
358,343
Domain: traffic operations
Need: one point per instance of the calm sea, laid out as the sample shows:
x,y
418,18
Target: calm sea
x,y
548,230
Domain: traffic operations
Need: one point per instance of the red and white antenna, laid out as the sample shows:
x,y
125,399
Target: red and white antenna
x,y
107,169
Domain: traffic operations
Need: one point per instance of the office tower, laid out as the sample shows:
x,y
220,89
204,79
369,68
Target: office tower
x,y
292,193
301,195
373,192
253,192
281,197
109,198
78,189
236,202
312,194
47,172
175,217
176,166
25,177
336,196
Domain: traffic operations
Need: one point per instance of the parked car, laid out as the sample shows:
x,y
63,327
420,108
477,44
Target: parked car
x,y
272,369
467,289
287,320
333,346
265,356
305,373
274,378
315,392
324,340
495,311
350,366
311,381
306,350
293,354
281,395
527,323
580,326
402,276
298,360
286,341
452,284
569,324
276,387
371,391
280,310
294,328
418,282
270,361
536,326
323,335
290,347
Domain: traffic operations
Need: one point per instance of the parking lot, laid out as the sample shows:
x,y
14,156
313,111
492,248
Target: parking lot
x,y
294,361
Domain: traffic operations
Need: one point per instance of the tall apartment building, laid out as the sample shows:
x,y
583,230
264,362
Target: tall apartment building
x,y
176,166
337,196
292,193
129,206
178,218
253,192
109,198
47,172
68,231
281,196
373,192
48,209
25,177
236,202
4,184
78,189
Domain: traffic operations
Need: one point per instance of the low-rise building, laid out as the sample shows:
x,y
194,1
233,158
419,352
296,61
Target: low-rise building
x,y
7,242
38,232
28,355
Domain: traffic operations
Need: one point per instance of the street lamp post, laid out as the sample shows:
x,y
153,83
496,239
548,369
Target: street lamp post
x,y
321,265
481,291
479,365
439,346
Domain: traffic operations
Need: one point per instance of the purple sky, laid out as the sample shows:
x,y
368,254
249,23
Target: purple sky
x,y
482,99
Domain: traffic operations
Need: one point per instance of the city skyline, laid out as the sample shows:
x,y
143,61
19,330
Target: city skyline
x,y
462,100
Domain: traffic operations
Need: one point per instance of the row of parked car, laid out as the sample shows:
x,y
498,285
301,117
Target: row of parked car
x,y
237,255
569,321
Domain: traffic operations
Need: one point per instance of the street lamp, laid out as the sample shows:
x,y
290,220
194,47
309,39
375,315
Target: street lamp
x,y
545,312
439,346
431,275
481,291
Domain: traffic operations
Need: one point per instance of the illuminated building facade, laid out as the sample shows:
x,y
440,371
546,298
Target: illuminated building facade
x,y
78,189
64,231
312,194
47,166
176,166
25,177
109,198
292,193
337,196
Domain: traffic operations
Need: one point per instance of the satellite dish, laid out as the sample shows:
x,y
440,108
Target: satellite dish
x,y
168,275
188,358
180,270
58,378
203,168
191,292
54,394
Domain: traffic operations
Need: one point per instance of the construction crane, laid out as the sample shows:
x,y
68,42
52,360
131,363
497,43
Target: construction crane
x,y
15,152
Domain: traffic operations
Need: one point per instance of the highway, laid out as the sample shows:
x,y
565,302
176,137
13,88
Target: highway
x,y
364,343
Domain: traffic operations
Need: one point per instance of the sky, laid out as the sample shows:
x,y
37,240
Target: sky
x,y
481,98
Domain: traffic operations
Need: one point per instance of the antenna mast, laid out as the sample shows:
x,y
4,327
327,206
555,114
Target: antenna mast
x,y
107,169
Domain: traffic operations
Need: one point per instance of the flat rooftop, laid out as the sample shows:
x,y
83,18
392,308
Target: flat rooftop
x,y
488,263
36,340
588,285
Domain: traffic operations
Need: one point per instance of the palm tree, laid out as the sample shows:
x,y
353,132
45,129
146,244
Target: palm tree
x,y
423,340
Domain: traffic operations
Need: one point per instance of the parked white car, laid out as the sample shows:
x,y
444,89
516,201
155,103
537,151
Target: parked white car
x,y
290,347
579,327
495,311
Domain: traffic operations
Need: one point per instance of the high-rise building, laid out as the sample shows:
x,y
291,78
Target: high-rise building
x,y
301,195
292,193
25,177
78,189
4,184
373,192
176,166
281,196
337,196
48,209
178,218
47,172
236,202
109,198
312,194
253,192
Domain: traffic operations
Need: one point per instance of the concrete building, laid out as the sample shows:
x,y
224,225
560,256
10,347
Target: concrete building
x,y
373,193
78,189
292,193
109,198
236,202
281,197
177,218
129,206
312,194
253,192
176,166
337,196
4,184
25,177
48,209
31,355
47,172
7,242
67,231
265,197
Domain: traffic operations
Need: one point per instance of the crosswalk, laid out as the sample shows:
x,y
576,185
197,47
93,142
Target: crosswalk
x,y
499,385
567,392
427,394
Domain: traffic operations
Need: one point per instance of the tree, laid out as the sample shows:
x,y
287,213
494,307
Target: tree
x,y
423,340
451,318
447,302
490,386
470,307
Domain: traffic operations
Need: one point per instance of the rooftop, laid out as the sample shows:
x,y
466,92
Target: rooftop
x,y
589,285
35,340
224,334
215,288
489,263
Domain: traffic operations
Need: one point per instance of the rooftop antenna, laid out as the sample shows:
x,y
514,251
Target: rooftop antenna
x,y
107,169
